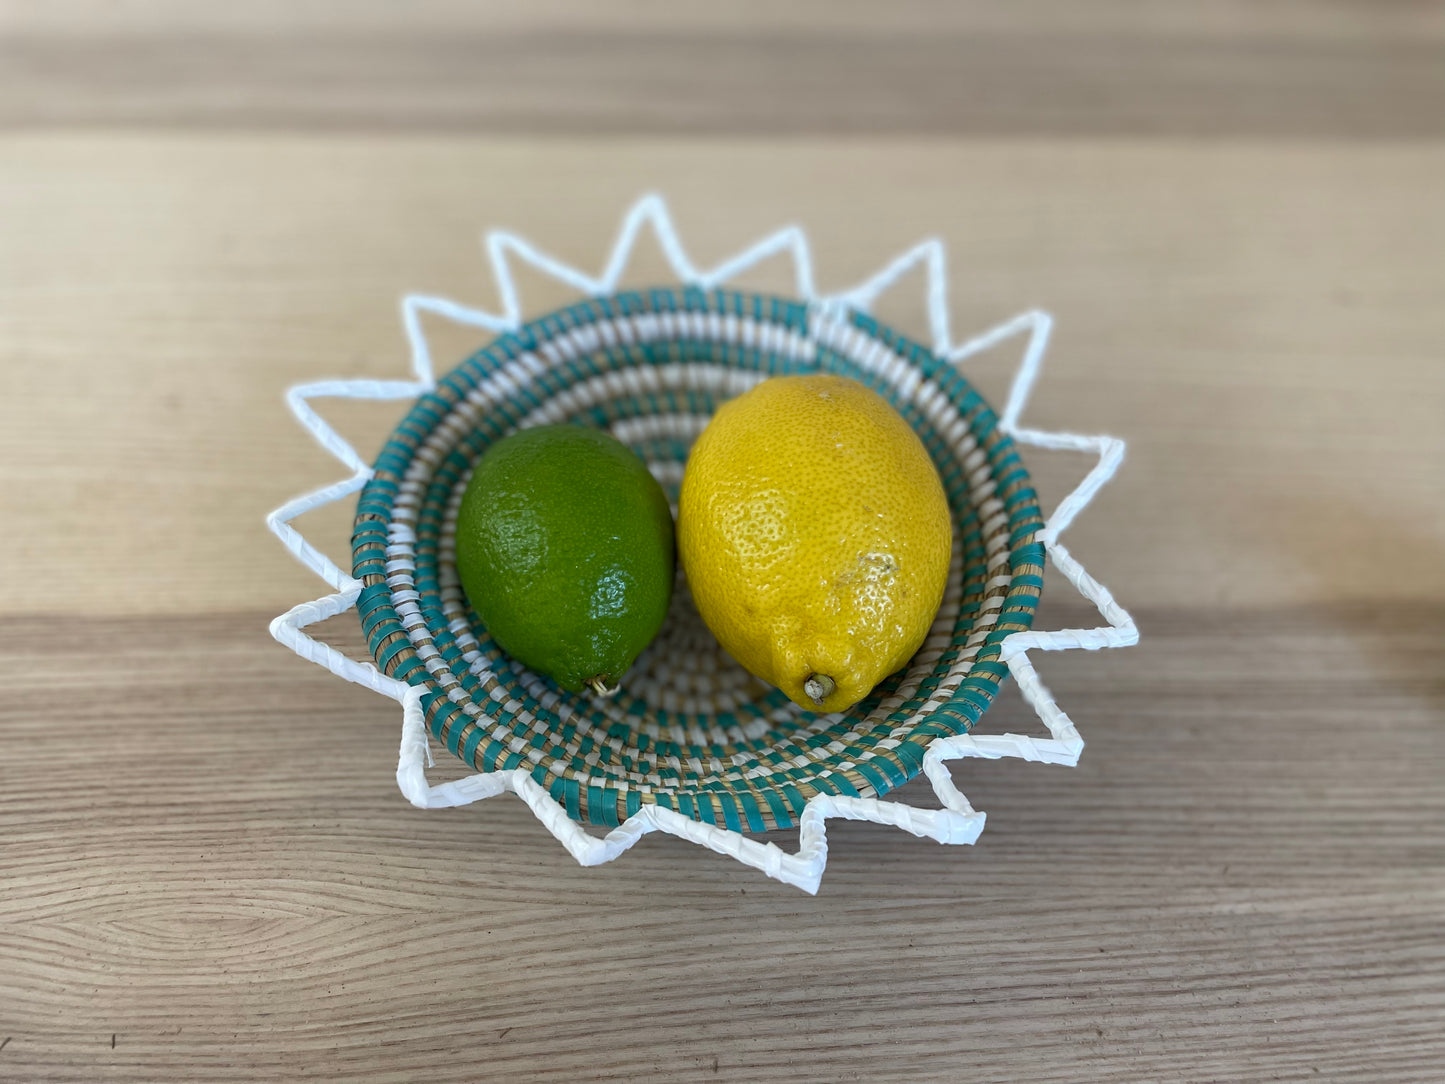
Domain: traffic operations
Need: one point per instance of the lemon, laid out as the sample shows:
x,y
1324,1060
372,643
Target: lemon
x,y
815,535
565,551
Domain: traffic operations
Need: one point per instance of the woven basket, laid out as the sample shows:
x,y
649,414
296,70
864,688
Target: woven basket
x,y
689,730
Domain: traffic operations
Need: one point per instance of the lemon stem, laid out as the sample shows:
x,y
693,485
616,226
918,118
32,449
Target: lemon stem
x,y
819,687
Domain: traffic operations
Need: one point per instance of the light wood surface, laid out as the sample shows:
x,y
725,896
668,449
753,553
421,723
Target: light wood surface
x,y
1234,211
958,67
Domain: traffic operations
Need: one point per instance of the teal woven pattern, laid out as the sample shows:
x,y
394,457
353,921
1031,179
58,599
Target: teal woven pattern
x,y
689,730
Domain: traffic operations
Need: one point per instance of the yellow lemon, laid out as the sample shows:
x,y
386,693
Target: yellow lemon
x,y
815,535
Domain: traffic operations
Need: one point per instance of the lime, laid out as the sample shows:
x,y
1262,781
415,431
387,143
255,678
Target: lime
x,y
565,551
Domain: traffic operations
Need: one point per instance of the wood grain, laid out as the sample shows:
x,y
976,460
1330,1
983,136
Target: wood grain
x,y
241,893
1350,70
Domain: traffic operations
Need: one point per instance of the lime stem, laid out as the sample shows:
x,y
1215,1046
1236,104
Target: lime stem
x,y
598,685
819,687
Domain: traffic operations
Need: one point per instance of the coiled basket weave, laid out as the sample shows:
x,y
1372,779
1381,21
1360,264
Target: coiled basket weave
x,y
689,729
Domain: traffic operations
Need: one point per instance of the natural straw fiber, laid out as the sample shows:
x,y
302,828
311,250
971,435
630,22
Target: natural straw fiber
x,y
690,731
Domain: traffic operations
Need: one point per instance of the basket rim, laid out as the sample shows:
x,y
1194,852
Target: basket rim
x,y
739,809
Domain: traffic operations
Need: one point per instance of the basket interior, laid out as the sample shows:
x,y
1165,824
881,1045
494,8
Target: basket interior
x,y
689,729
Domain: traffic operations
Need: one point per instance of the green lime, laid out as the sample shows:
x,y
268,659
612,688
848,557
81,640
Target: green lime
x,y
565,551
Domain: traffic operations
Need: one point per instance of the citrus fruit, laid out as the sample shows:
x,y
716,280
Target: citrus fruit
x,y
815,536
565,551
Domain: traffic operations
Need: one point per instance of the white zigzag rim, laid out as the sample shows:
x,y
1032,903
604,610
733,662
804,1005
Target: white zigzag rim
x,y
957,821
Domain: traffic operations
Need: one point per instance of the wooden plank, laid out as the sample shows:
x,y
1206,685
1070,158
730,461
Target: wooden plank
x,y
1359,71
206,859
1261,322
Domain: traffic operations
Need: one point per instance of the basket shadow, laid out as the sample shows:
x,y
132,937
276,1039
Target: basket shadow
x,y
1378,578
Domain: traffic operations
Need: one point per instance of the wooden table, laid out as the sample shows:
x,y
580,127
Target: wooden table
x,y
1235,211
